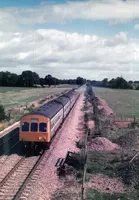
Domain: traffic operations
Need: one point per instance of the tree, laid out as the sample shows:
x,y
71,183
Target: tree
x,y
30,78
42,82
137,88
119,83
79,81
49,80
2,113
105,82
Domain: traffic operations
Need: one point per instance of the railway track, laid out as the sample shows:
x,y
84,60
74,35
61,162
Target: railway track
x,y
18,183
27,186
12,182
5,157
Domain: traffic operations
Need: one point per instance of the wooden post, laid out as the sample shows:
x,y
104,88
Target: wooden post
x,y
85,166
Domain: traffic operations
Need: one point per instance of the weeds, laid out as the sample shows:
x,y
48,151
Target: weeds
x,y
95,195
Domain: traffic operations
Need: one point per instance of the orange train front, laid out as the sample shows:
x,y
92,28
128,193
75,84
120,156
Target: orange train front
x,y
40,126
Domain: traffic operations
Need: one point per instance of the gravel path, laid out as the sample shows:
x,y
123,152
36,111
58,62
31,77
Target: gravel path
x,y
48,181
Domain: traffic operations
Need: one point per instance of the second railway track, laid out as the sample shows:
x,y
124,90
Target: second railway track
x,y
12,182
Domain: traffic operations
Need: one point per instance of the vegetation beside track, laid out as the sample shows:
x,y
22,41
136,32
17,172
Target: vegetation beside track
x,y
120,165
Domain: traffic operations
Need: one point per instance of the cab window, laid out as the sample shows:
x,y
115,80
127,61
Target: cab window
x,y
34,127
43,127
25,126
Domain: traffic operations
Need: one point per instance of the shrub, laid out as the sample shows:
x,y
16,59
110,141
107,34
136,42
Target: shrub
x,y
2,113
80,144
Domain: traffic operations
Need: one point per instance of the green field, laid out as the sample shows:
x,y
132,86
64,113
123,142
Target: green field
x,y
124,103
15,96
12,89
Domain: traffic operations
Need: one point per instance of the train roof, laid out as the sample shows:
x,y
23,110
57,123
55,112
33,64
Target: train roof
x,y
62,100
51,108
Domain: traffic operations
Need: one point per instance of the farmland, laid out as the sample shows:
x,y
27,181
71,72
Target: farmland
x,y
124,103
15,96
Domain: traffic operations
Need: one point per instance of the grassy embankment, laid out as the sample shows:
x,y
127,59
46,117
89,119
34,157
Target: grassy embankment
x,y
117,174
16,100
124,103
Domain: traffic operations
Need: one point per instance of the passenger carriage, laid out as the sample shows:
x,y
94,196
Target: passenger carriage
x,y
39,126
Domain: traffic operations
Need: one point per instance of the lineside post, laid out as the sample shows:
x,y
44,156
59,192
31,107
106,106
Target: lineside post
x,y
85,166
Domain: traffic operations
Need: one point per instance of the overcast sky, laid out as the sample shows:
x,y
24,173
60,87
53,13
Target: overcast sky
x,y
89,38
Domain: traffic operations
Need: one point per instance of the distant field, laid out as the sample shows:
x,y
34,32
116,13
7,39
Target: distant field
x,y
14,96
11,89
123,102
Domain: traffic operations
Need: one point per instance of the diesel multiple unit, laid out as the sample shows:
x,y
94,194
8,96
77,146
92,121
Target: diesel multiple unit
x,y
39,126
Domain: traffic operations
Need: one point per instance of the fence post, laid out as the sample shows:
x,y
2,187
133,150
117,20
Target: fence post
x,y
85,166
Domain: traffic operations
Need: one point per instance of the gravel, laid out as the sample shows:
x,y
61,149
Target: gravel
x,y
8,164
48,181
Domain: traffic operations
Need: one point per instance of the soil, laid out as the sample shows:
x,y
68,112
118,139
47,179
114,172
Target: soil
x,y
103,107
122,124
91,124
101,143
105,184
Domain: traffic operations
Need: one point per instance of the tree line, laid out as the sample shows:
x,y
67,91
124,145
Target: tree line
x,y
116,83
31,79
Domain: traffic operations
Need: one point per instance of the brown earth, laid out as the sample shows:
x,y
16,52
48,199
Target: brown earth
x,y
105,184
101,143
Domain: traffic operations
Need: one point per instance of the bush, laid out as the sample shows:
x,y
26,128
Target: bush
x,y
2,113
76,160
80,144
96,195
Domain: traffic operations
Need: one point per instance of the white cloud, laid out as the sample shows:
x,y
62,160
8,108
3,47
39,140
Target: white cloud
x,y
136,27
67,55
113,10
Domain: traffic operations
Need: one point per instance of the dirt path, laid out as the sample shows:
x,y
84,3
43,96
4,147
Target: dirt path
x,y
48,181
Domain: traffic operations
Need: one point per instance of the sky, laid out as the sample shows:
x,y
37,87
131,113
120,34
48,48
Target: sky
x,y
93,39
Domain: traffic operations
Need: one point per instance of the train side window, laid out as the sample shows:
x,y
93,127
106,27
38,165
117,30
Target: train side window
x,y
25,126
43,127
34,127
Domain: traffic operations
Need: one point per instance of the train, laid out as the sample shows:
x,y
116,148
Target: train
x,y
39,127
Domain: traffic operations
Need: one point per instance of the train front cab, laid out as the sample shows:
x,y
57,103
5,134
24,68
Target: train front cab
x,y
34,129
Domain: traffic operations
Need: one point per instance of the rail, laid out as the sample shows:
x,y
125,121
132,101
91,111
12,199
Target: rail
x,y
35,172
11,172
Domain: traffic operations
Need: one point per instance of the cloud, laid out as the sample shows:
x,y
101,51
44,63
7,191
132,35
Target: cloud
x,y
136,27
68,55
115,11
